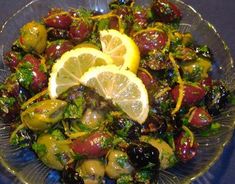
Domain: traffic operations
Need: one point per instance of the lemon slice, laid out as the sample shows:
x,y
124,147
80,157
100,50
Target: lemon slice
x,y
67,70
123,87
122,49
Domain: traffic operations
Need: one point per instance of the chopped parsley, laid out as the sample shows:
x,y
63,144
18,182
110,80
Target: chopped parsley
x,y
106,142
185,121
24,74
57,134
75,109
40,149
122,160
231,98
103,24
20,141
82,127
170,139
195,75
212,129
79,157
124,131
143,176
62,158
172,160
125,179
84,13
94,39
6,103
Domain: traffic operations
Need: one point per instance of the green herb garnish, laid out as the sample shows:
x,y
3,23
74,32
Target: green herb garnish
x,y
40,149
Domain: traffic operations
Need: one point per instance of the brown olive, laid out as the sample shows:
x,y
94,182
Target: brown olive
x,y
125,128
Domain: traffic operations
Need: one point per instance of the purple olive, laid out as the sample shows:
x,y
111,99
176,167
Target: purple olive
x,y
57,48
185,147
124,12
93,146
141,18
9,108
146,78
12,59
192,94
199,118
79,31
166,11
30,74
149,40
207,83
113,23
58,19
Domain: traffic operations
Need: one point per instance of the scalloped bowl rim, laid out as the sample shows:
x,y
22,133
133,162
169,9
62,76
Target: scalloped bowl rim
x,y
220,150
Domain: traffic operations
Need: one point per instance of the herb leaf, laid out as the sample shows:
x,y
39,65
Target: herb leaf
x,y
58,135
122,160
75,109
40,149
24,74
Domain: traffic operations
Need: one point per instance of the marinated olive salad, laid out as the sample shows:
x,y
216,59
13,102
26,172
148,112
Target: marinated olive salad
x,y
88,138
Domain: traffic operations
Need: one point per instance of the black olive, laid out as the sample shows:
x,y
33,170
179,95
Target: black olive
x,y
154,124
125,2
165,74
116,3
162,105
143,154
176,122
216,99
69,175
56,34
125,128
17,48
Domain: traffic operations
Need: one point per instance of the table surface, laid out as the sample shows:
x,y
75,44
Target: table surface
x,y
221,14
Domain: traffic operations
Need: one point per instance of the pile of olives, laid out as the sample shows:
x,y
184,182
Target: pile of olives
x,y
85,137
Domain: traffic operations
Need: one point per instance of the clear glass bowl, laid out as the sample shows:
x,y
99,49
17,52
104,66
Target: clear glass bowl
x,y
28,169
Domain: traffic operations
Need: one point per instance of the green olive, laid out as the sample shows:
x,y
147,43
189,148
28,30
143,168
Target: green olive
x,y
166,153
118,164
33,37
200,64
91,170
44,114
187,39
92,118
57,152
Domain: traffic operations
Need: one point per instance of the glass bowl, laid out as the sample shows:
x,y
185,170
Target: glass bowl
x,y
28,169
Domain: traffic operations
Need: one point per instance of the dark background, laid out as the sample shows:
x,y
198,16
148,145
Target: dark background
x,y
221,13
